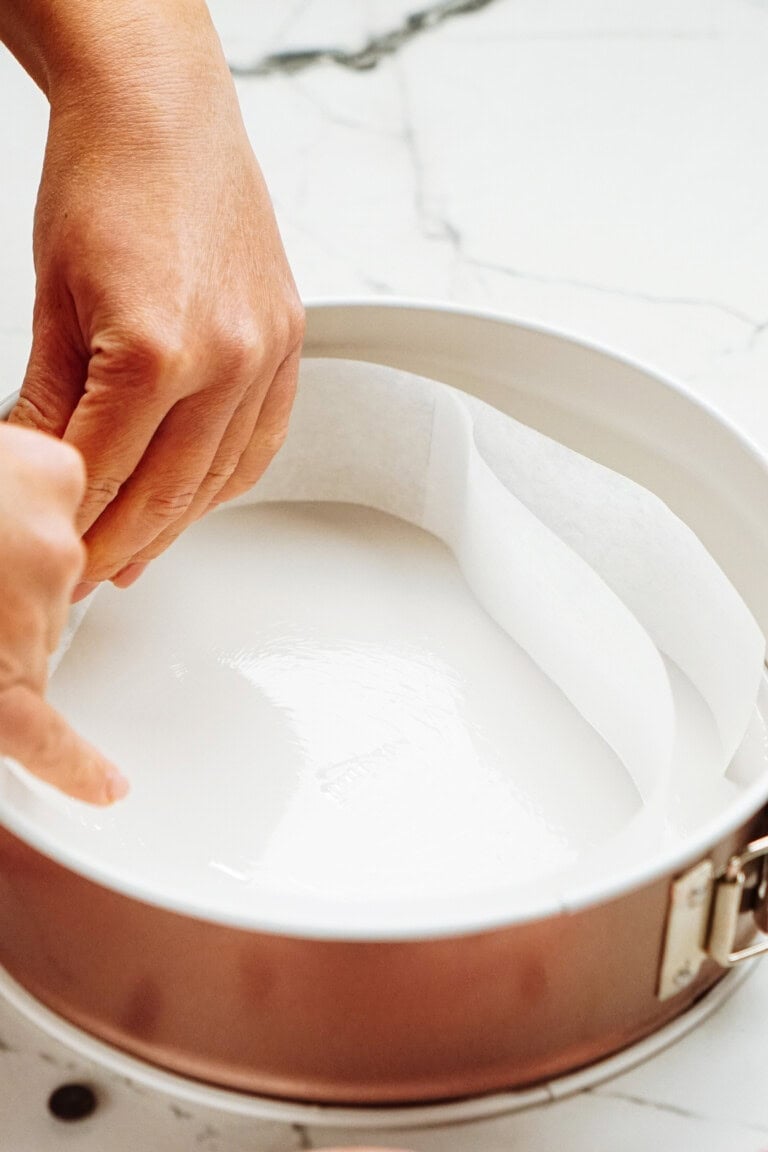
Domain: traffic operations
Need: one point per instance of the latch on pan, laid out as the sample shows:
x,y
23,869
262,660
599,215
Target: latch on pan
x,y
703,916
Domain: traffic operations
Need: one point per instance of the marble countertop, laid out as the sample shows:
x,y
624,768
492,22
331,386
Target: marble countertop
x,y
598,167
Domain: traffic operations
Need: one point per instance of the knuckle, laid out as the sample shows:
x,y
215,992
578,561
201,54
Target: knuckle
x,y
29,413
286,329
41,403
279,335
272,440
237,486
248,475
146,357
100,492
220,472
240,348
297,323
287,322
253,343
282,398
242,482
154,353
168,505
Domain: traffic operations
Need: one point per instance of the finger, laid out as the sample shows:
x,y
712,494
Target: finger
x,y
34,734
130,574
161,488
268,435
80,591
236,438
124,403
48,465
56,371
236,467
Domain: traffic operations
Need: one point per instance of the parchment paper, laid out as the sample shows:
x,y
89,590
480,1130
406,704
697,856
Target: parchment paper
x,y
589,572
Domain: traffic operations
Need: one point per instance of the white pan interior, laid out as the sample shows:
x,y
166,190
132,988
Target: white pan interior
x,y
327,734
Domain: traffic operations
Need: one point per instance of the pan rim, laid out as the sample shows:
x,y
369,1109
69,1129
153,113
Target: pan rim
x,y
450,915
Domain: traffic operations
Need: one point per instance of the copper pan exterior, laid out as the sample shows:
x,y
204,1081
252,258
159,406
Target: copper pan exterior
x,y
341,1022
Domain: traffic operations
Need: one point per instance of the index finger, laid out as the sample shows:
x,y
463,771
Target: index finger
x,y
112,426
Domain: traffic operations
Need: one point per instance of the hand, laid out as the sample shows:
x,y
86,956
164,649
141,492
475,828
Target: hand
x,y
41,484
167,329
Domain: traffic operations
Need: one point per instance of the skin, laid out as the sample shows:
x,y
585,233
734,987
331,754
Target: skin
x,y
166,334
167,328
41,485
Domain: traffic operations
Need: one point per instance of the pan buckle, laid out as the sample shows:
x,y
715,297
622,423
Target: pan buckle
x,y
740,889
703,916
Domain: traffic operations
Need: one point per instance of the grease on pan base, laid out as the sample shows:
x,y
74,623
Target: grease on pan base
x,y
307,699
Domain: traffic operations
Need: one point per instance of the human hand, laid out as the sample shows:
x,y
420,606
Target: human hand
x,y
41,484
167,328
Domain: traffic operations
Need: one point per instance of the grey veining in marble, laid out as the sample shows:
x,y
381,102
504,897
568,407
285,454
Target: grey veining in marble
x,y
372,52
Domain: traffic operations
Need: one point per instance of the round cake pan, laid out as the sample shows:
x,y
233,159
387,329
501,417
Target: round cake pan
x,y
470,1006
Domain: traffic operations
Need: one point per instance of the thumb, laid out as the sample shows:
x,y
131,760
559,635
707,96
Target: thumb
x,y
33,732
53,383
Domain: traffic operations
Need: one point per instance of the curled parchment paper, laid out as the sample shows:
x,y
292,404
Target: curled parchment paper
x,y
589,572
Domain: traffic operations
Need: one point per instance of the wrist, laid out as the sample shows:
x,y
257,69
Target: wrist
x,y
74,49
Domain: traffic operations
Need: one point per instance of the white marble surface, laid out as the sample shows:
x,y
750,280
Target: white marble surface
x,y
598,166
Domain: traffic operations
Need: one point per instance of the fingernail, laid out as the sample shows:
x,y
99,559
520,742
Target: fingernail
x,y
83,590
116,786
129,575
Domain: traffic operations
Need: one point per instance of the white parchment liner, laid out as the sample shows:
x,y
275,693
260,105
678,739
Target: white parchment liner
x,y
589,572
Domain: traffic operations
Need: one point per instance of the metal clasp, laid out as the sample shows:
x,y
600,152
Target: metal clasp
x,y
703,917
729,903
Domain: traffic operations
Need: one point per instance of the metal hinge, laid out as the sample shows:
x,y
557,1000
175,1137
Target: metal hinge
x,y
703,917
